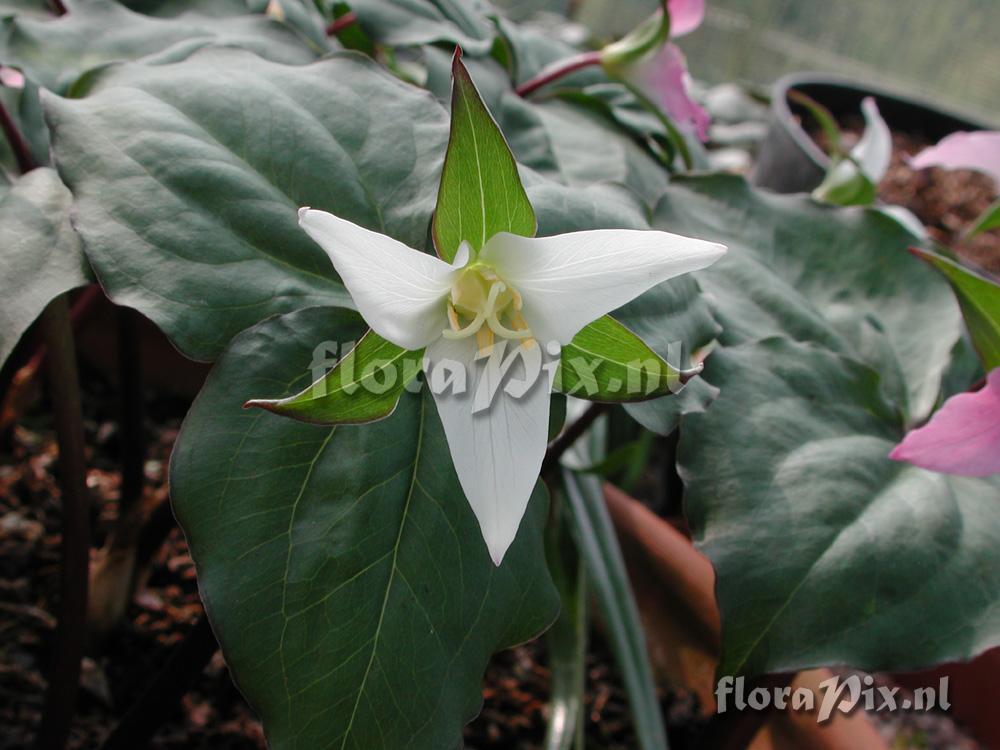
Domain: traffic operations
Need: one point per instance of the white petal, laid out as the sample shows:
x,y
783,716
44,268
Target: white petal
x,y
874,151
570,280
497,451
399,291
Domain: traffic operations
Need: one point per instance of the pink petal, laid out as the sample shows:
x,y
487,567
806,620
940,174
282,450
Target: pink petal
x,y
963,436
663,79
11,78
979,150
685,16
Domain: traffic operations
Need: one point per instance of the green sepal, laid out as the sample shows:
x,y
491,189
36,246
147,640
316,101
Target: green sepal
x,y
649,35
481,193
608,362
989,219
979,298
364,386
846,185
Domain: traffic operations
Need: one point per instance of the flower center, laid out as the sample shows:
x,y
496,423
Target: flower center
x,y
481,304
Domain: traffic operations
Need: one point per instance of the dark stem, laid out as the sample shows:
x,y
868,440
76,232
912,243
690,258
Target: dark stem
x,y
70,634
186,662
559,70
29,358
339,24
570,435
58,7
22,152
133,444
154,533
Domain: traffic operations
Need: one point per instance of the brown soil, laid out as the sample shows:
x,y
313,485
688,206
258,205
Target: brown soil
x,y
948,202
164,609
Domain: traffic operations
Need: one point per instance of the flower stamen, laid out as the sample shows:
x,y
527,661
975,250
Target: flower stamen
x,y
481,295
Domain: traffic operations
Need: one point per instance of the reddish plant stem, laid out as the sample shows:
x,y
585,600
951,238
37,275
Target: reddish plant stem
x,y
558,70
22,152
71,631
339,24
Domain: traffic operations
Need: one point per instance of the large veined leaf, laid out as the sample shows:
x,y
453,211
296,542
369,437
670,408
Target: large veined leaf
x,y
187,178
414,22
41,252
342,568
839,277
826,551
56,51
589,148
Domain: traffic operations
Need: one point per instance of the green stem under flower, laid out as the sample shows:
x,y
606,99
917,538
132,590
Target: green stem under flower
x,y
676,137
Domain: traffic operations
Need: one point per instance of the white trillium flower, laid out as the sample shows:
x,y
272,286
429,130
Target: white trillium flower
x,y
532,293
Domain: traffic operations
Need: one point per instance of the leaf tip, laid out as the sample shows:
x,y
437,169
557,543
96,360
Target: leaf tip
x,y
259,403
691,372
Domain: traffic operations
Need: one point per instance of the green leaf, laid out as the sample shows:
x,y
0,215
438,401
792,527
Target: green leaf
x,y
567,638
365,385
648,36
42,254
841,277
590,147
302,17
481,193
979,298
416,22
608,362
172,8
342,568
24,107
846,185
595,537
990,219
187,178
824,118
55,52
35,8
827,552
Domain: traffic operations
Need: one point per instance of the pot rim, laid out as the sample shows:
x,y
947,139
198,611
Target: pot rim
x,y
783,112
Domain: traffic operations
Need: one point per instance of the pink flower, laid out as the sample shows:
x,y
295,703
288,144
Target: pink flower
x,y
979,150
655,69
663,79
685,16
11,78
963,436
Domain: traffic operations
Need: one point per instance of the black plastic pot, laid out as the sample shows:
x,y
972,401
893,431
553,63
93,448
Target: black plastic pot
x,y
789,160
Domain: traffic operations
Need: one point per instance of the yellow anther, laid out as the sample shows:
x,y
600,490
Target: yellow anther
x,y
484,339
